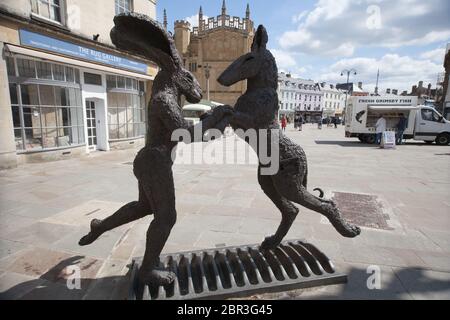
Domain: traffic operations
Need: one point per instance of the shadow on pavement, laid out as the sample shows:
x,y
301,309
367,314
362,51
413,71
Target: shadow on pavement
x,y
406,283
355,144
52,285
351,144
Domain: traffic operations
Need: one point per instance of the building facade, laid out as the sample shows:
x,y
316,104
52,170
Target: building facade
x,y
333,100
65,89
211,47
299,95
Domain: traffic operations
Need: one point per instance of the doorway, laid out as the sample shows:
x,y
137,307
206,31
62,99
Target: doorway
x,y
91,125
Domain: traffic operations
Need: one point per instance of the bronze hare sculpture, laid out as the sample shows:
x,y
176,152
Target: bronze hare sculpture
x,y
153,164
258,109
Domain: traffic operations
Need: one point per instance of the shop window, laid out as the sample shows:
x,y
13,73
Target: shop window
x,y
46,116
10,66
121,82
44,70
123,6
58,72
70,76
126,117
13,93
30,95
93,79
47,95
48,9
27,68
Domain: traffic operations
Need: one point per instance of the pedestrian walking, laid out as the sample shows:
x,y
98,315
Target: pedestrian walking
x,y
283,123
300,123
380,128
401,127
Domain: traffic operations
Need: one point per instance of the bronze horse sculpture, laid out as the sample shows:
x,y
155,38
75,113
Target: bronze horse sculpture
x,y
257,109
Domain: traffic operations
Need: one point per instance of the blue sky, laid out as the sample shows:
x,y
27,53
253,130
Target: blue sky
x,y
317,39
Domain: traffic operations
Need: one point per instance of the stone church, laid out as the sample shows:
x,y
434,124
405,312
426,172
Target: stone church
x,y
211,47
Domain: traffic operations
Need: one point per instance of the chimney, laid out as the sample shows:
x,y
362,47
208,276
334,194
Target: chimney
x,y
360,85
420,84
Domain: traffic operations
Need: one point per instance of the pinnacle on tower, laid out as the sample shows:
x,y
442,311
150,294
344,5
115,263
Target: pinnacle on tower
x,y
224,8
247,12
165,20
200,18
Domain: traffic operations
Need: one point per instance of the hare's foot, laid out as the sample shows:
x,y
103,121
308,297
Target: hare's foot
x,y
346,229
157,277
270,243
93,235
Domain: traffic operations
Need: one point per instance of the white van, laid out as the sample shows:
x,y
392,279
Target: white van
x,y
424,122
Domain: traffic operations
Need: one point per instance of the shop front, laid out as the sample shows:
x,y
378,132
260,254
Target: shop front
x,y
69,99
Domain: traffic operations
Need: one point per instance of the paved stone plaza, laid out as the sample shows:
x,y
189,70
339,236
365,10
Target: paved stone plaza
x,y
46,208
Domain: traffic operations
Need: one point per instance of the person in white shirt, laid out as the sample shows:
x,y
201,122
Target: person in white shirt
x,y
380,128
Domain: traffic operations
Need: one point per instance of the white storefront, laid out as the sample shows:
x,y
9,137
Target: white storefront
x,y
299,95
63,105
333,100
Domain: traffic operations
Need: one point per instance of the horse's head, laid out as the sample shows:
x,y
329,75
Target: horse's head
x,y
258,66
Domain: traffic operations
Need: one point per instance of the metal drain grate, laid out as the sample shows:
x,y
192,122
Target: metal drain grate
x,y
241,271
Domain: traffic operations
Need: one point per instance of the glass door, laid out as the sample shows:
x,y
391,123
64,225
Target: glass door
x,y
91,125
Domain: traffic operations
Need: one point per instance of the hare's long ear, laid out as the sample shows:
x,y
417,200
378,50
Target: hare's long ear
x,y
141,35
261,39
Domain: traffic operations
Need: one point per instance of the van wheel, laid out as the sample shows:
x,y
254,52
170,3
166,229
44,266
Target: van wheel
x,y
371,139
443,139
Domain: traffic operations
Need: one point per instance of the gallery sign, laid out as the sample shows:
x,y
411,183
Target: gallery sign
x,y
39,41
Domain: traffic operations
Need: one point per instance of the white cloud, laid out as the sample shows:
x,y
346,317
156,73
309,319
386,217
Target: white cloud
x,y
298,17
339,27
287,63
193,20
284,60
436,55
396,72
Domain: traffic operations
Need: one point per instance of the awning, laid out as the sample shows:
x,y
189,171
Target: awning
x,y
52,57
392,108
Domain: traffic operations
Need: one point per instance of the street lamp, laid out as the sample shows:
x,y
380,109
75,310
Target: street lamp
x,y
207,69
348,72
